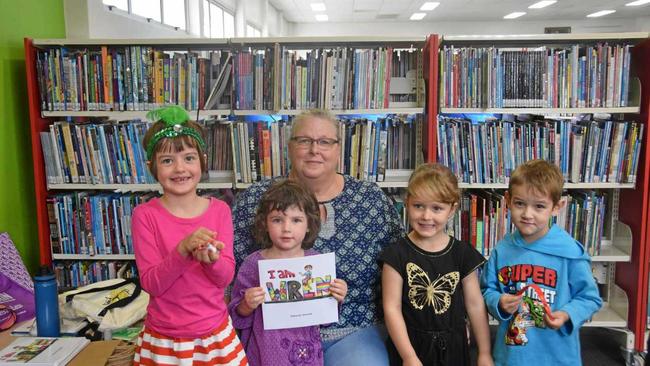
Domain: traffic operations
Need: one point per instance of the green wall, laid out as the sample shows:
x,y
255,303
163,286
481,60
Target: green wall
x,y
19,19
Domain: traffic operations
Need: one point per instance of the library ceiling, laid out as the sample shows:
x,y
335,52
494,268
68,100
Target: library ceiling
x,y
300,11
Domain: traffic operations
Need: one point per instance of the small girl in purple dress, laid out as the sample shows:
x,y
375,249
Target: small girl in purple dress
x,y
286,226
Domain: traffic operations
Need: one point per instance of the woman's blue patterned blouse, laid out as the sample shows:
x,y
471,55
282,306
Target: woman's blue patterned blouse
x,y
361,221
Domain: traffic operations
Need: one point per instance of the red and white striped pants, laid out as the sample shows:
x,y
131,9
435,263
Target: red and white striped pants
x,y
222,347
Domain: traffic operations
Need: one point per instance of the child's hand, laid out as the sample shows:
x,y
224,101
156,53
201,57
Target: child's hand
x,y
199,239
338,289
484,359
559,318
253,297
210,253
509,303
411,361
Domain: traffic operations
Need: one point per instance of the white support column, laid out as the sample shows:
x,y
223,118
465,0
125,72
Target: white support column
x,y
77,17
240,19
280,25
193,17
265,17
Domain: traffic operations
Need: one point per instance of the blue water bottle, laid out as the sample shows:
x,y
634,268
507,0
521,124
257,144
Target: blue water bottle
x,y
47,304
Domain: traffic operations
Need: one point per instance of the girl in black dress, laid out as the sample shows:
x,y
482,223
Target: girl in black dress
x,y
429,280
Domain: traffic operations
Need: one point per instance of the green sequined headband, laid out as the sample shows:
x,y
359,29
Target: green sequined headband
x,y
175,118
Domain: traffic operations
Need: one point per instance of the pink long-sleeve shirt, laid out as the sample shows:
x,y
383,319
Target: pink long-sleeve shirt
x,y
186,295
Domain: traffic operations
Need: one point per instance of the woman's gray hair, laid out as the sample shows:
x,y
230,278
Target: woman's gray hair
x,y
314,113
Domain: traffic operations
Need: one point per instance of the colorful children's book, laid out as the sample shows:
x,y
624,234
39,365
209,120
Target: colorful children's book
x,y
40,351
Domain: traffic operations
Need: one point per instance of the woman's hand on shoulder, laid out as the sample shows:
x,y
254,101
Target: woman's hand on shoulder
x,y
197,240
338,289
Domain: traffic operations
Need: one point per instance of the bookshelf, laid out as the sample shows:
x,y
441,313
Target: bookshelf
x,y
624,244
623,247
73,100
635,211
95,97
87,101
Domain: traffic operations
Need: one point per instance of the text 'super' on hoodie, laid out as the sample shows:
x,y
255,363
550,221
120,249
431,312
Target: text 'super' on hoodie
x,y
560,267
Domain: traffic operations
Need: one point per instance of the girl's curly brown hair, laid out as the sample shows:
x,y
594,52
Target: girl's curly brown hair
x,y
280,196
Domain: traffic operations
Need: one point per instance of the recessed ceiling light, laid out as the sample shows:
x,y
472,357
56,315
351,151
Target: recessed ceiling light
x,y
418,16
317,6
322,17
543,4
514,15
429,5
600,13
637,3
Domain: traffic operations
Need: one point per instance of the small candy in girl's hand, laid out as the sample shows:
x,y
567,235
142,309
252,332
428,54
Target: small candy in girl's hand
x,y
212,248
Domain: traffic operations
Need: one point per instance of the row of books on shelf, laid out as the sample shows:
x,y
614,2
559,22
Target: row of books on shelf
x,y
72,274
134,78
112,152
91,223
218,145
95,153
543,77
587,151
98,223
259,150
372,148
483,218
368,147
127,78
344,78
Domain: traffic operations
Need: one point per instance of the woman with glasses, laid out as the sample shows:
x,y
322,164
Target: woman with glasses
x,y
357,222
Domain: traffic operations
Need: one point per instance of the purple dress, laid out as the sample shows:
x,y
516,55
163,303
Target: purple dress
x,y
295,346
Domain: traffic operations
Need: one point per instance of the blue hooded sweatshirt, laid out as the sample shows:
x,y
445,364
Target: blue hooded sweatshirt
x,y
560,267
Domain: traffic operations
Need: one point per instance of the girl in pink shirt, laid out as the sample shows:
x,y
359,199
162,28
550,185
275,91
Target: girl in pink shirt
x,y
183,250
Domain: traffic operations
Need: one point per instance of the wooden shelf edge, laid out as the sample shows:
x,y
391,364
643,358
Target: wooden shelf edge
x,y
566,185
546,37
544,111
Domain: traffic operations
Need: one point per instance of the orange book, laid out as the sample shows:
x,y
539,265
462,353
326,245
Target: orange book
x,y
266,140
107,73
472,219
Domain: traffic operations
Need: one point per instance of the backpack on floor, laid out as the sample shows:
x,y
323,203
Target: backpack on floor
x,y
113,304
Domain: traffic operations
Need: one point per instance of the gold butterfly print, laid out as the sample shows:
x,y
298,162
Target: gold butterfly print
x,y
437,294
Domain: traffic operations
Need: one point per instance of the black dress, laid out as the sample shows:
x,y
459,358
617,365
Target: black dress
x,y
432,299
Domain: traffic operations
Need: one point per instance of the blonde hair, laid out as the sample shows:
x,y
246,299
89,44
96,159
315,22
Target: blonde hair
x,y
541,175
314,113
434,181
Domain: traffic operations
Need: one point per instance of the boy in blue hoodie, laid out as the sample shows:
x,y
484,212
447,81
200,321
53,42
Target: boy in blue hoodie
x,y
538,282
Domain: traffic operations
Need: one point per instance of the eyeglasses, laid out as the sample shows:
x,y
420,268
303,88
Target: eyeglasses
x,y
306,142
